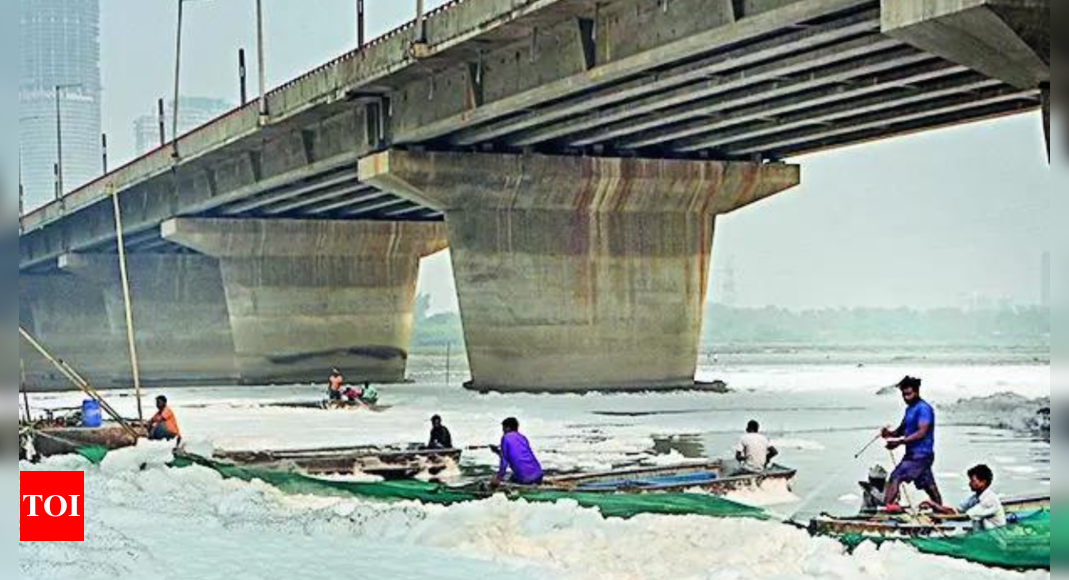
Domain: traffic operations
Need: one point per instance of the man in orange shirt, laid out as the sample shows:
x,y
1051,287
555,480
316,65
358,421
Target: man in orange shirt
x,y
336,384
163,427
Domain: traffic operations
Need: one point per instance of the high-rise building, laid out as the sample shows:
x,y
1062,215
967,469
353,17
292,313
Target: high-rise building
x,y
59,81
192,113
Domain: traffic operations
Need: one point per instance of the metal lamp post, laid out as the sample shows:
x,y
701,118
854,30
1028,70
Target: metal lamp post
x,y
177,79
261,62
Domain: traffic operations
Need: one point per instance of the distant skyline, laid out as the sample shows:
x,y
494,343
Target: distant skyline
x,y
920,221
59,76
192,113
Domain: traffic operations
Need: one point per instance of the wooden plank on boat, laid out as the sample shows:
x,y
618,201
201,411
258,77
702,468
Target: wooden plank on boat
x,y
389,463
717,478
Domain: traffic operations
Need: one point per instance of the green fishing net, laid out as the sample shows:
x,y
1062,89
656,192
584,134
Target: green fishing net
x,y
94,453
610,505
1024,545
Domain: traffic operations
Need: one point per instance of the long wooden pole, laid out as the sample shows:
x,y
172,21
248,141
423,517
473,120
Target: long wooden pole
x,y
127,303
22,387
76,380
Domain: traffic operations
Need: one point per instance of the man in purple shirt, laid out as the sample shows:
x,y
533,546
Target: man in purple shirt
x,y
517,456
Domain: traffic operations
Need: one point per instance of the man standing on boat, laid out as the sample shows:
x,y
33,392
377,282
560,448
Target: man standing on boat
x,y
517,457
335,384
917,435
164,426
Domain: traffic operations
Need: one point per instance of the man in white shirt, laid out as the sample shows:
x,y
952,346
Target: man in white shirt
x,y
755,451
984,508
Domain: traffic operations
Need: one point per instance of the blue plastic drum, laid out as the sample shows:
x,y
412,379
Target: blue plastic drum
x,y
91,417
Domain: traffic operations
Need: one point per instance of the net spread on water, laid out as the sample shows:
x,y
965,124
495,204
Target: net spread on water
x,y
610,505
1023,545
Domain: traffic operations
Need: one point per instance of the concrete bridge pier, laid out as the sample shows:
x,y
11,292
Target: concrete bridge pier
x,y
306,296
578,274
70,319
180,314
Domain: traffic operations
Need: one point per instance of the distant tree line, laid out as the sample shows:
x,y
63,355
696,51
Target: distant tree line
x,y
1022,325
731,325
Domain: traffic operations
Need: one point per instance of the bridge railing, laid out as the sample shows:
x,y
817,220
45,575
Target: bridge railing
x,y
237,122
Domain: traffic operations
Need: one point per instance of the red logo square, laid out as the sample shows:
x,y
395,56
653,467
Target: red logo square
x,y
52,506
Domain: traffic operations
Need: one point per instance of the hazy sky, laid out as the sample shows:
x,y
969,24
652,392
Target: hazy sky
x,y
919,221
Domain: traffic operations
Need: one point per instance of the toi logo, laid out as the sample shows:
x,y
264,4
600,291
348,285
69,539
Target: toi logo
x,y
52,506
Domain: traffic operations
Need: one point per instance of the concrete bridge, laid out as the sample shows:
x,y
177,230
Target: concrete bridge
x,y
573,154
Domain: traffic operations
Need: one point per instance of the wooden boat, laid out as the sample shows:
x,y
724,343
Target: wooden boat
x,y
47,440
386,462
326,405
884,526
716,478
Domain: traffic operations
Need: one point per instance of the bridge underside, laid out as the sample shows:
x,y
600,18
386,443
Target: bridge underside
x,y
691,81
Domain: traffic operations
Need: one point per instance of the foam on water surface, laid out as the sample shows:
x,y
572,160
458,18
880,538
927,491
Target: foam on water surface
x,y
190,523
145,518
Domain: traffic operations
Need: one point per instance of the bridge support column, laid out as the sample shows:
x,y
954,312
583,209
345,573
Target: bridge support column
x,y
70,319
180,315
306,296
578,274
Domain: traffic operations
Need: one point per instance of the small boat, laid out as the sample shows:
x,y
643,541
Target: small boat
x,y
326,405
391,463
47,440
885,526
716,478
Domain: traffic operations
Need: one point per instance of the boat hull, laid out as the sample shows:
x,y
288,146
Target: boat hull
x,y
716,478
53,441
385,463
334,406
883,527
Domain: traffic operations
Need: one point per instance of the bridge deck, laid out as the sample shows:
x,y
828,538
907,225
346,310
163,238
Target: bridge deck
x,y
751,79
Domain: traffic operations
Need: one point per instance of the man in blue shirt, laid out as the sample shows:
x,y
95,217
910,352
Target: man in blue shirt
x,y
917,434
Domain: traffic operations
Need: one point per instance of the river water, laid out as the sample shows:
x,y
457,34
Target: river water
x,y
820,407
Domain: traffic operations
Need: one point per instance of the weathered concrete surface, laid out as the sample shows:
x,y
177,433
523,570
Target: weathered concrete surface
x,y
305,296
1003,39
68,317
578,273
180,313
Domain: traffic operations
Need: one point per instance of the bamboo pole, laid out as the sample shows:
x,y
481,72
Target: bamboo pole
x,y
127,303
448,363
22,387
77,380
